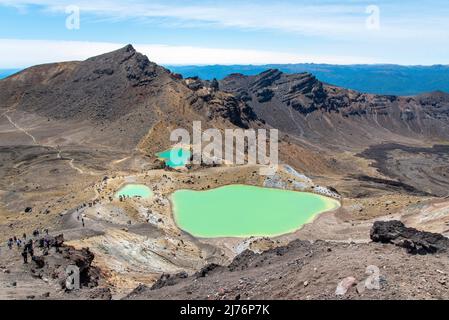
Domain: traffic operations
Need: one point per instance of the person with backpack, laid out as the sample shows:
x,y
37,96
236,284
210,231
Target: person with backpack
x,y
31,249
10,243
25,255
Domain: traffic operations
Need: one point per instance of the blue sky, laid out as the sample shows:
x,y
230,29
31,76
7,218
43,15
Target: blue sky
x,y
228,32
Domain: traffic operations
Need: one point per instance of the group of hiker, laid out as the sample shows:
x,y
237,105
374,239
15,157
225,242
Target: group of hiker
x,y
123,197
81,217
28,244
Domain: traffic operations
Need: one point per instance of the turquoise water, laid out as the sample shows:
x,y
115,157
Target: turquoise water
x,y
243,211
134,190
179,158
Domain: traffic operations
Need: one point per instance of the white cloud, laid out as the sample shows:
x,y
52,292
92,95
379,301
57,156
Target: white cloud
x,y
15,53
332,18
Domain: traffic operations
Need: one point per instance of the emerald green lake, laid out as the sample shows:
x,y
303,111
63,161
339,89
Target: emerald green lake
x,y
183,156
243,211
134,190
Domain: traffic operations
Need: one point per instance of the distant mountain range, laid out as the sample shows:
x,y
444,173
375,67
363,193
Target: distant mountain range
x,y
376,79
7,72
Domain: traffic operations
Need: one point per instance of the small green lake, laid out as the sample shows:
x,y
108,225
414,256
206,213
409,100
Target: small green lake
x,y
134,190
243,211
176,157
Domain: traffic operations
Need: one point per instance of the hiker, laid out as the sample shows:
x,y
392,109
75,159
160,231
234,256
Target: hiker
x,y
19,243
29,248
10,242
25,256
24,237
46,247
82,221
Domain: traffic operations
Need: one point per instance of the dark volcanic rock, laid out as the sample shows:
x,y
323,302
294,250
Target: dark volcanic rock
x,y
168,280
392,185
242,261
39,261
83,260
267,78
194,83
100,294
214,84
237,112
138,291
415,241
206,270
264,95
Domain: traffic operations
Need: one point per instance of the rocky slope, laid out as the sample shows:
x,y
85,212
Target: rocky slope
x,y
304,270
44,276
121,95
302,106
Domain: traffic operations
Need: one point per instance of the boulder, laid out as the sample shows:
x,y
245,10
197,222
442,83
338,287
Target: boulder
x,y
264,95
345,285
206,270
413,240
214,84
168,280
39,261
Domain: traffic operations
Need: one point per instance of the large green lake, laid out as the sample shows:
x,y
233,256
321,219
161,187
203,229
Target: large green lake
x,y
134,190
243,211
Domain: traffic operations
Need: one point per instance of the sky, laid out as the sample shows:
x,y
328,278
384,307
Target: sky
x,y
186,32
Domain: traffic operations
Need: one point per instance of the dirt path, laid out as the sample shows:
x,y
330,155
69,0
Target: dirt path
x,y
120,160
35,141
21,129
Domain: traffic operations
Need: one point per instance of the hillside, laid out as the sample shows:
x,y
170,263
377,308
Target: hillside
x,y
298,103
309,271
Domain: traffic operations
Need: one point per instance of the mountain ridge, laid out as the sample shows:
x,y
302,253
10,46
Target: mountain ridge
x,y
298,103
389,79
122,93
375,79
